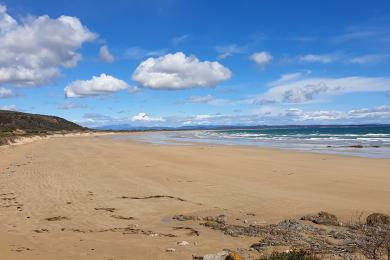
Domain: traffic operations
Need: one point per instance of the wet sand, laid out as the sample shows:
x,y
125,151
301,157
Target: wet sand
x,y
86,197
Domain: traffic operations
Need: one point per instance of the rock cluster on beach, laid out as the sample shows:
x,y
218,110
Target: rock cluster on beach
x,y
320,234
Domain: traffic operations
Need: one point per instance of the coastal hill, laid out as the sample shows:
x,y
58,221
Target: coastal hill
x,y
33,123
14,125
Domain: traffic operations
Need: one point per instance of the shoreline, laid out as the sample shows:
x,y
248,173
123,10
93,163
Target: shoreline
x,y
122,134
354,150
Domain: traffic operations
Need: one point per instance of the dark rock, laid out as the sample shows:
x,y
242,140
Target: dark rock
x,y
221,219
183,217
322,218
376,219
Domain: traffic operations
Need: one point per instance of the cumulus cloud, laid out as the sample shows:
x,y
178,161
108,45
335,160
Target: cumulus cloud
x,y
105,54
6,93
9,107
300,90
261,58
97,86
33,51
146,118
178,71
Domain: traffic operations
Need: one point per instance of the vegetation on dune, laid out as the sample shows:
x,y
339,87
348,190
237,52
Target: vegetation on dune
x,y
14,125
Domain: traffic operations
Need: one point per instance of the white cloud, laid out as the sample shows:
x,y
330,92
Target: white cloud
x,y
201,117
9,107
363,115
33,51
297,114
68,106
376,34
370,59
277,116
376,112
137,53
317,58
200,99
288,78
97,86
207,99
105,54
261,58
178,71
179,39
329,58
302,90
6,93
229,50
146,118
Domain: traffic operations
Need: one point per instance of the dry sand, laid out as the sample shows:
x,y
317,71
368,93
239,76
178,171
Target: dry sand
x,y
84,178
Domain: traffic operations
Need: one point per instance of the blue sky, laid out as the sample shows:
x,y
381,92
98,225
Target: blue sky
x,y
173,63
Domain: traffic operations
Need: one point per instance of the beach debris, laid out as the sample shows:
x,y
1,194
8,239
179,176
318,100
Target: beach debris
x,y
218,256
122,217
153,197
58,218
376,219
218,219
233,256
13,198
322,218
133,229
170,250
106,209
183,243
21,249
192,231
42,230
185,217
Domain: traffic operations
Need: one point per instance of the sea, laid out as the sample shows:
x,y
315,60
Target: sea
x,y
366,141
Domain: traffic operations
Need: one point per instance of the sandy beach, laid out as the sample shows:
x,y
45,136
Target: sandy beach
x,y
87,197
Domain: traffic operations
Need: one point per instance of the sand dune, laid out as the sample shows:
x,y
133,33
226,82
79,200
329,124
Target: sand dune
x,y
86,197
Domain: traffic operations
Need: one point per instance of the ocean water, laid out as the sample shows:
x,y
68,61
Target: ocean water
x,y
366,141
